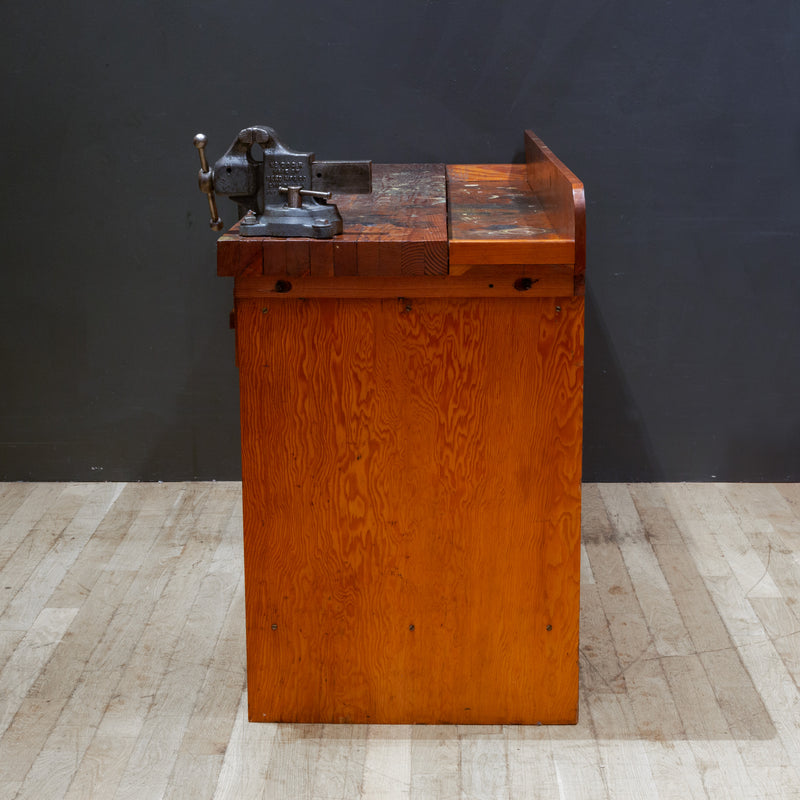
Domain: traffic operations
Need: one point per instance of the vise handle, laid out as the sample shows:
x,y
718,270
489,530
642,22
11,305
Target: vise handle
x,y
205,179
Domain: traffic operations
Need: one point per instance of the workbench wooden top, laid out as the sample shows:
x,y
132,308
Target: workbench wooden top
x,y
487,221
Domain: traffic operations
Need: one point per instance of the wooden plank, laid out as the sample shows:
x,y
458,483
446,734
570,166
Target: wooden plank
x,y
17,576
387,762
435,762
390,260
790,492
481,745
402,227
512,251
298,262
528,752
721,743
536,272
368,254
769,681
664,621
782,564
159,676
622,755
275,259
726,528
627,624
248,760
493,203
513,282
237,255
562,196
39,714
495,218
600,667
434,257
89,506
17,527
576,758
421,494
706,728
134,508
295,753
757,506
320,258
587,576
200,758
407,203
345,259
779,695
696,607
155,752
30,657
339,768
64,706
406,207
12,496
104,701
646,710
9,640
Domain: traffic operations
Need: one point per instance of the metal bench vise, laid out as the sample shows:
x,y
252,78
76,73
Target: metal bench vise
x,y
280,192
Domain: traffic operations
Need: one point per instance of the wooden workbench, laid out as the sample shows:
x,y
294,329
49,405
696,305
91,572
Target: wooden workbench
x,y
411,410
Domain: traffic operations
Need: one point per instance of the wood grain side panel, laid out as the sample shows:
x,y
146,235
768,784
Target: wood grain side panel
x,y
562,195
411,475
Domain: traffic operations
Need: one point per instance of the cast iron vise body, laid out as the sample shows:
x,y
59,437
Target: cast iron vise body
x,y
283,193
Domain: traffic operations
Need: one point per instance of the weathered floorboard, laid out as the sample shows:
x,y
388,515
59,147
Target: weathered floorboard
x,y
128,681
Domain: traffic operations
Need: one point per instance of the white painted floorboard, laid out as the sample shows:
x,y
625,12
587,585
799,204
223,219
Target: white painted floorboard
x,y
122,660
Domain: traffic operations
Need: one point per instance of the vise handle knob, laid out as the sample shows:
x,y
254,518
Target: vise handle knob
x,y
206,181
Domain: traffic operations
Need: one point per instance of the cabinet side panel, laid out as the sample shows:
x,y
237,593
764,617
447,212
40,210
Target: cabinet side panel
x,y
412,508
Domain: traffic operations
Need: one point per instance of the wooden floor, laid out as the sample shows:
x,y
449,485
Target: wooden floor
x,y
122,658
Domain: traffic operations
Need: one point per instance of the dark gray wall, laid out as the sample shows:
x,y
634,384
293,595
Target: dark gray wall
x,y
682,119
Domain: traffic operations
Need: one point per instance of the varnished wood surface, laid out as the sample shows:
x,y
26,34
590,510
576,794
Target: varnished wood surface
x,y
412,508
561,194
495,218
398,229
122,659
506,280
419,222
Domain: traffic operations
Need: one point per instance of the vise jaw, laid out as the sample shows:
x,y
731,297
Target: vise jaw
x,y
280,192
